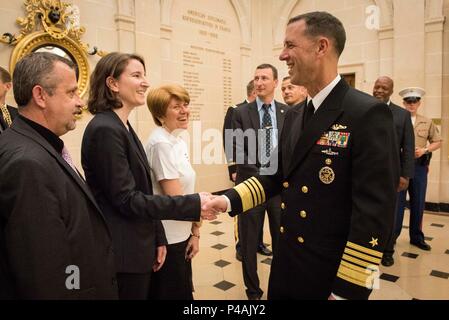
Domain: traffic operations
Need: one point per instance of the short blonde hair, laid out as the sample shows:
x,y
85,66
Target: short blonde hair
x,y
158,100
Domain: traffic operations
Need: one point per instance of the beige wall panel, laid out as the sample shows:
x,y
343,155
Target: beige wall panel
x,y
205,51
409,44
370,51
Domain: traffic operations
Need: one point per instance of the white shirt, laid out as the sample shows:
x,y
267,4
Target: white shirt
x,y
322,95
168,157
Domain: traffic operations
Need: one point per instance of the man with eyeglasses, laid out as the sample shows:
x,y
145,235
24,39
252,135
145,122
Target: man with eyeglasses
x,y
425,131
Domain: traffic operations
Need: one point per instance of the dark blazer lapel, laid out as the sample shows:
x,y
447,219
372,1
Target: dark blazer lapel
x,y
289,140
253,114
14,112
139,150
325,116
21,127
280,116
2,122
135,145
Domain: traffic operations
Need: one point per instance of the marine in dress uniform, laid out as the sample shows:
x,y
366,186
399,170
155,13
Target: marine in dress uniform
x,y
427,140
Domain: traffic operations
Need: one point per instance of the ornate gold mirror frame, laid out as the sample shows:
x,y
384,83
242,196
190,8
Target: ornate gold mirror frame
x,y
52,26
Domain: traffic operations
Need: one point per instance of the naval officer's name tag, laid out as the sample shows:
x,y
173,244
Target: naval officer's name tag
x,y
334,139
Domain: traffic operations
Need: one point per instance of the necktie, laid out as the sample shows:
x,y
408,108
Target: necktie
x,y
6,115
310,110
267,125
66,156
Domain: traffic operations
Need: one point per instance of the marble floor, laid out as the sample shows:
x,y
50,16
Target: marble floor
x,y
416,274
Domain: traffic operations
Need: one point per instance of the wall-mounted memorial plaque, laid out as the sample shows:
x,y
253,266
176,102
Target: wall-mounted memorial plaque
x,y
206,45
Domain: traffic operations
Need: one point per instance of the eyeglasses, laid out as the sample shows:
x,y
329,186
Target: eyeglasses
x,y
411,100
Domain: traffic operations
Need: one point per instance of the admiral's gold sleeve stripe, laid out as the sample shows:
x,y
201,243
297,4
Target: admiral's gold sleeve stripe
x,y
251,193
256,193
357,268
357,261
236,228
362,277
363,249
362,256
354,281
245,196
262,191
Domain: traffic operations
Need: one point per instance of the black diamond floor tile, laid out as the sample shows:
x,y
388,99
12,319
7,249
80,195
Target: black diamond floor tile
x,y
389,277
217,233
219,246
439,274
267,261
437,225
447,251
224,285
221,263
410,255
428,238
215,222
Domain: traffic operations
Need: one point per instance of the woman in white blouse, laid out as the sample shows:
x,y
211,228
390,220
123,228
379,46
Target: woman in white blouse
x,y
172,174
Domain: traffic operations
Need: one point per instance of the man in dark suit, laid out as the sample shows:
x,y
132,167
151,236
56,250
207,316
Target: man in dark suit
x,y
383,89
264,119
292,94
227,125
54,240
7,113
338,175
232,167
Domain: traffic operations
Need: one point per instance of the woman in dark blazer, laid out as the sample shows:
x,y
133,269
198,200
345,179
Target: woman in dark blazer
x,y
118,174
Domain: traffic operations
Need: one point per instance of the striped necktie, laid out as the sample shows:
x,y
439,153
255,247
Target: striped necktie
x,y
268,126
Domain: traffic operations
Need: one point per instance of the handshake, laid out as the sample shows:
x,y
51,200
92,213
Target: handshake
x,y
212,205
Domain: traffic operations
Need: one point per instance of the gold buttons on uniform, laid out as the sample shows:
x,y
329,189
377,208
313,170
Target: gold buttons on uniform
x,y
328,162
304,189
285,184
300,239
282,206
282,229
303,214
